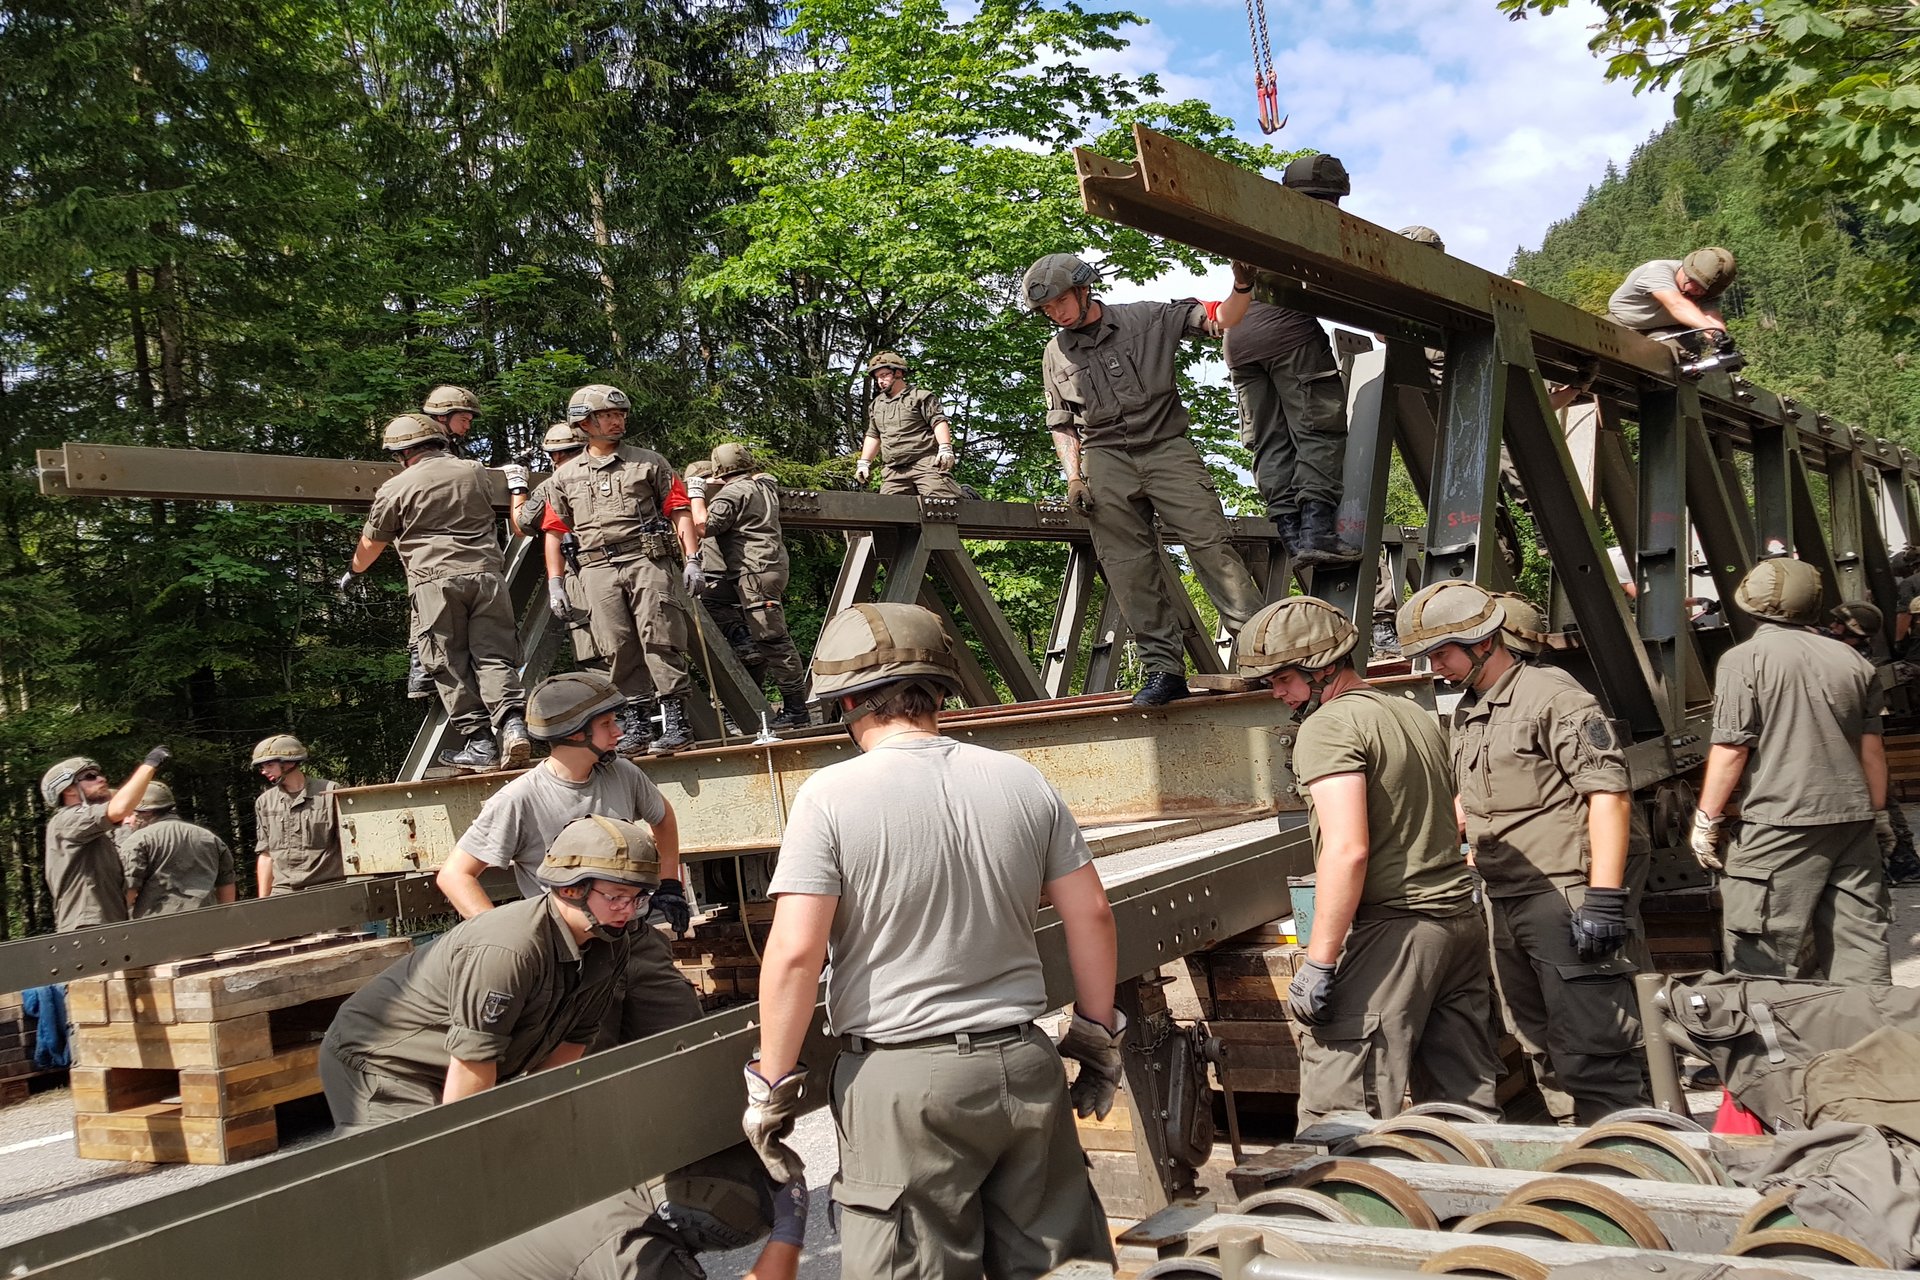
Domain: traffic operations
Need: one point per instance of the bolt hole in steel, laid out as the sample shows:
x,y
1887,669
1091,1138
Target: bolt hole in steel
x,y
1484,1260
1804,1244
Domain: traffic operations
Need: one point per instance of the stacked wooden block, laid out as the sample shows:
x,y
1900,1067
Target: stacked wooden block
x,y
17,1034
185,1062
721,960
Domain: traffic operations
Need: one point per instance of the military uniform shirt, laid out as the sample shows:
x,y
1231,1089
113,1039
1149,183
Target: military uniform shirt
x,y
1113,382
175,865
438,514
1525,753
520,820
301,833
938,851
903,424
83,868
1799,701
1268,331
508,986
611,501
1413,853
744,517
533,512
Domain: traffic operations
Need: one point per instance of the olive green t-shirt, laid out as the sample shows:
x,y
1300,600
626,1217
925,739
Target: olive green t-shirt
x,y
1413,849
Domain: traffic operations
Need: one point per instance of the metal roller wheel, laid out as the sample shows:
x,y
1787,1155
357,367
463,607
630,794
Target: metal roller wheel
x,y
1805,1244
1613,1218
1375,1145
1446,1140
1484,1260
1379,1198
1183,1269
1774,1210
1459,1112
1657,1118
1526,1222
1607,1164
1297,1203
1661,1150
1206,1244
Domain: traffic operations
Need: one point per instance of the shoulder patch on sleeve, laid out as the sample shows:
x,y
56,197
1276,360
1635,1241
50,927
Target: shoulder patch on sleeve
x,y
495,1007
1601,733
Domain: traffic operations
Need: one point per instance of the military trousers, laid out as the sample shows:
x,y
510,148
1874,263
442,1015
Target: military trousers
x,y
1293,416
1411,1011
766,619
609,1240
465,632
1806,902
918,476
650,996
1170,482
721,595
1577,1021
638,626
959,1160
580,631
360,1099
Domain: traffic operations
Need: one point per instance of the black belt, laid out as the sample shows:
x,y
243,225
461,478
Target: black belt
x,y
965,1040
619,550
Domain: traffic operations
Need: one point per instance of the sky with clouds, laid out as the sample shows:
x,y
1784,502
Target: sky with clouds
x,y
1445,112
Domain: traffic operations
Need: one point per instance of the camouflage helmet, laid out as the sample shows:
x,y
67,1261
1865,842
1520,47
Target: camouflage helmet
x,y
887,360
698,469
1523,624
410,431
1320,175
601,848
1450,612
1300,631
1782,590
594,397
1713,268
281,747
873,647
1860,619
55,781
1424,235
158,797
449,399
731,459
1052,276
563,705
563,437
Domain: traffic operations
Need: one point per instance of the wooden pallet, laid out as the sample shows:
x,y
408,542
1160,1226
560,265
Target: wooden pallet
x,y
185,1062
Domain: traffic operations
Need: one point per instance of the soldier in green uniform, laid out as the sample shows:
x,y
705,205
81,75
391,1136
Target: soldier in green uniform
x,y
84,874
917,867
720,586
1548,812
530,515
172,864
632,517
743,517
1293,404
1394,991
1120,431
455,409
910,434
520,988
296,830
1796,733
439,513
1858,624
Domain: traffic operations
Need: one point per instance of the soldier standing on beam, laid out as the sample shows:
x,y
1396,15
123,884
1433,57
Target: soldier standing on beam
x,y
909,432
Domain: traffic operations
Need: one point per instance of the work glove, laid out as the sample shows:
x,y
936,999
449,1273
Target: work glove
x,y
693,577
516,477
1310,992
670,900
1243,275
1599,927
1097,1050
1708,835
790,1214
347,582
697,487
768,1121
1080,495
1883,832
557,603
157,757
944,459
862,471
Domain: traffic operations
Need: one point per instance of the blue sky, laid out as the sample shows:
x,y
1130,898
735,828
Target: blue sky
x,y
1445,112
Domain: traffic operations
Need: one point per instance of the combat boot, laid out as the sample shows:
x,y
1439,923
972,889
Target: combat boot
x,y
1319,543
793,709
516,747
636,728
479,754
1161,688
674,734
419,683
1287,524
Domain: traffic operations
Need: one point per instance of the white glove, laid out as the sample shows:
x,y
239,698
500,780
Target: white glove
x,y
557,603
693,577
944,459
1883,832
1097,1050
1708,834
697,487
863,470
516,477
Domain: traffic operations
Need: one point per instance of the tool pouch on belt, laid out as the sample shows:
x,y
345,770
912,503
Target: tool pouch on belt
x,y
657,541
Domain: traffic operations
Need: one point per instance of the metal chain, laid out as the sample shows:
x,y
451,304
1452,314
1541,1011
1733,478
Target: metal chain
x,y
1257,32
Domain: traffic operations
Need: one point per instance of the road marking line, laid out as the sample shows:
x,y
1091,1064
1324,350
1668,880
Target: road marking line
x,y
31,1143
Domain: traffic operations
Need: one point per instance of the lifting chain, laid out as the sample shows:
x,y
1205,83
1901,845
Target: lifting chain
x,y
1266,85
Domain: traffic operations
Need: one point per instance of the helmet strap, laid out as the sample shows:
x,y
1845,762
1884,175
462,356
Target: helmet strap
x,y
1317,679
1480,657
595,925
1086,305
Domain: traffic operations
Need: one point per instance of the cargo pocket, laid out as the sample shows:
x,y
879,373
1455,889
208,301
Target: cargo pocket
x,y
869,1225
1339,1065
1326,397
1594,1013
667,627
